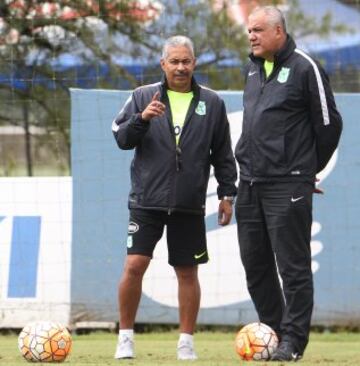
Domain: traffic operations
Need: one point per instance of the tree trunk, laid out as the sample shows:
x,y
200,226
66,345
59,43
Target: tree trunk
x,y
27,136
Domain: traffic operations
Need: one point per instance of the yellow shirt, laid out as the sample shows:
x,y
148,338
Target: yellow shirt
x,y
179,105
268,66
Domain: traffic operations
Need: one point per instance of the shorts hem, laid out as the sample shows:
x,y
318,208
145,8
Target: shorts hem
x,y
188,263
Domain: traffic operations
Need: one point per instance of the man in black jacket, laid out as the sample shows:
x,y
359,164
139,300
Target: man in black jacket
x,y
178,129
291,128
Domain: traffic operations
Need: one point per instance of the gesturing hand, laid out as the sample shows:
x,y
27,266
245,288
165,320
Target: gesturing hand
x,y
154,109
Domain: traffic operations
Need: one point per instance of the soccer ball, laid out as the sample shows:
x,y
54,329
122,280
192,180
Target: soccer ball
x,y
256,341
44,342
24,343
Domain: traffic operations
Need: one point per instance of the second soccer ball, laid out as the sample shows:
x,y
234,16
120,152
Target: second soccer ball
x,y
256,341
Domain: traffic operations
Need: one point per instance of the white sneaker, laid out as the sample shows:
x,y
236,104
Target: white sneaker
x,y
185,351
124,348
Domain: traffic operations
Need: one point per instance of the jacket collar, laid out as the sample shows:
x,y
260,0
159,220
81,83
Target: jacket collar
x,y
280,56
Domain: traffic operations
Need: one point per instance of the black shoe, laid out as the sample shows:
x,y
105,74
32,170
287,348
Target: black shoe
x,y
285,352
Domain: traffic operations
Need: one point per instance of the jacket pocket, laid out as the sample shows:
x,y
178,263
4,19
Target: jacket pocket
x,y
191,186
269,156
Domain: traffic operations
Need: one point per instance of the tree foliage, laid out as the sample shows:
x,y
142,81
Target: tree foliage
x,y
96,36
300,25
46,47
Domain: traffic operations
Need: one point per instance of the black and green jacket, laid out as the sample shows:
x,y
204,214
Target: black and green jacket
x,y
170,177
291,125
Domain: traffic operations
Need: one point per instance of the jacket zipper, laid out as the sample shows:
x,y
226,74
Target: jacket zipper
x,y
262,85
172,132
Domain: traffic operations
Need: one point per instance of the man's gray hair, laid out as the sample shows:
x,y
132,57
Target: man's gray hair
x,y
177,41
274,15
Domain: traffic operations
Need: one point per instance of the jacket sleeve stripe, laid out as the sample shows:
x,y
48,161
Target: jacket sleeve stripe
x,y
115,126
324,107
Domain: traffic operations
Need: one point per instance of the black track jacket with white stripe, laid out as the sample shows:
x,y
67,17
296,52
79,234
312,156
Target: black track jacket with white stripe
x,y
168,177
291,125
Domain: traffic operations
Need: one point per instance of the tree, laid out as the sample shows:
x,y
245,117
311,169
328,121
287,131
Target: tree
x,y
38,39
35,36
302,26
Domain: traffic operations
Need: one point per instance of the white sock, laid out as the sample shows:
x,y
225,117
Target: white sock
x,y
185,337
129,333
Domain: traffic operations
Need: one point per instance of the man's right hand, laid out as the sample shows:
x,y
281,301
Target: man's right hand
x,y
154,109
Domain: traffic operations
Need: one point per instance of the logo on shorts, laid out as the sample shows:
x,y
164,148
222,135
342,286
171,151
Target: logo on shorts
x,y
129,241
133,227
293,199
198,256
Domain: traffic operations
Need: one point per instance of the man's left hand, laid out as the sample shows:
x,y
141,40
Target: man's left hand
x,y
225,212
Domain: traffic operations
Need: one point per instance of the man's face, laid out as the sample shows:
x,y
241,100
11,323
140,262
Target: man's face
x,y
178,67
265,39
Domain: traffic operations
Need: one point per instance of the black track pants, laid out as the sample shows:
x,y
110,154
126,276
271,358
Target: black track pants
x,y
274,232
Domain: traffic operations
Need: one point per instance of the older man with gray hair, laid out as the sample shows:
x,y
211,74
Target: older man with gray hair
x,y
178,130
291,127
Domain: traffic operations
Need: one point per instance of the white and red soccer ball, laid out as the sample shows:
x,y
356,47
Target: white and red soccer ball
x,y
44,342
256,341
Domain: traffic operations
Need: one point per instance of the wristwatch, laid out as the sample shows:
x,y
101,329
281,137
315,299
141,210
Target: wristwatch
x,y
228,198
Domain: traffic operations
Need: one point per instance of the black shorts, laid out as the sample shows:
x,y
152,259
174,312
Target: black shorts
x,y
186,235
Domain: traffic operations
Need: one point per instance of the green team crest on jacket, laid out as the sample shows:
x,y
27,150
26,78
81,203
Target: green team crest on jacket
x,y
201,108
283,75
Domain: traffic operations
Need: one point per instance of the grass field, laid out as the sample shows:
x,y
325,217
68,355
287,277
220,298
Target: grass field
x,y
213,349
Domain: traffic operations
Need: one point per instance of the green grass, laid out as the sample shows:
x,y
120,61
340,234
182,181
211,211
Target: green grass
x,y
213,349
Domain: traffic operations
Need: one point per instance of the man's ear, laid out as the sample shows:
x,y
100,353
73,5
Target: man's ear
x,y
162,63
280,31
